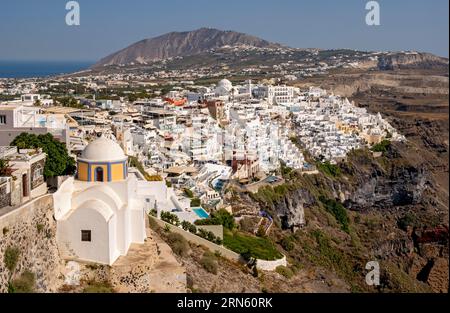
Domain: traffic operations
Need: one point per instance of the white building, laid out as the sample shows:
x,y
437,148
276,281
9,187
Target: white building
x,y
17,118
99,213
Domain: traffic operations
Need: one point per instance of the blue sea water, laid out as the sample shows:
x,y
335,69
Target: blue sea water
x,y
28,69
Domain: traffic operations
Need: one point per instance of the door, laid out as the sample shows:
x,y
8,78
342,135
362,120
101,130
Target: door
x,y
25,190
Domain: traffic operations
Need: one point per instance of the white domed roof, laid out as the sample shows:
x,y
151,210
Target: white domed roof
x,y
225,83
103,150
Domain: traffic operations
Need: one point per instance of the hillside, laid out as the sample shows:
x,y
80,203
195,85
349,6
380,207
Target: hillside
x,y
181,44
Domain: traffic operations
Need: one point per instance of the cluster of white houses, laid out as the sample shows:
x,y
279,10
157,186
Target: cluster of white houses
x,y
196,141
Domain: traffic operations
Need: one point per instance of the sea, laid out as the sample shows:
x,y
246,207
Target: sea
x,y
29,69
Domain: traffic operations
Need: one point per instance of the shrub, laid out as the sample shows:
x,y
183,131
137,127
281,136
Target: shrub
x,y
170,218
287,243
189,227
98,287
195,202
153,212
338,211
11,258
382,146
185,225
5,230
192,229
24,284
261,231
285,170
5,168
267,195
178,244
188,193
326,254
210,236
48,234
40,227
329,169
247,225
284,271
246,255
209,262
407,220
202,233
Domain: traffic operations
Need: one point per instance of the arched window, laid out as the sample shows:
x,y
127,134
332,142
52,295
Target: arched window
x,y
99,174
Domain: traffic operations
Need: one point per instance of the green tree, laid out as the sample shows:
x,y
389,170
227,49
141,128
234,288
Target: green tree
x,y
70,102
220,217
5,169
58,161
382,146
170,218
195,202
185,225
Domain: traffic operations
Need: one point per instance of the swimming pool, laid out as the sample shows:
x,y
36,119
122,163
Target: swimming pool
x,y
200,212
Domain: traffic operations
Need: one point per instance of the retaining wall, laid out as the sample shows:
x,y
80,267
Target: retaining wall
x,y
31,229
229,254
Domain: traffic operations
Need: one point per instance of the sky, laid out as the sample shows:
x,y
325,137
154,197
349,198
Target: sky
x,y
36,30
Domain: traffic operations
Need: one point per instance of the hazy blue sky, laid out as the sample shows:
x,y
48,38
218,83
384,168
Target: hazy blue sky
x,y
36,30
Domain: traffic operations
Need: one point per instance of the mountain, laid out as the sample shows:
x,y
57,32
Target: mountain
x,y
181,44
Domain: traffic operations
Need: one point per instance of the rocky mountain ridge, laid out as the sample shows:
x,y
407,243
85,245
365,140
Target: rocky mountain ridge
x,y
200,43
177,44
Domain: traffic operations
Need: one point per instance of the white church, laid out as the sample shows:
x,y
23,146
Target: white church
x,y
101,211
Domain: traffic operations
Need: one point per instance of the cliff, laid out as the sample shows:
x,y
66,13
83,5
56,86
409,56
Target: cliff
x,y
412,60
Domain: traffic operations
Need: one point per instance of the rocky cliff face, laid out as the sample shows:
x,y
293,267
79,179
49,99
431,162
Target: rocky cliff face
x,y
402,185
393,217
413,60
290,209
181,44
31,230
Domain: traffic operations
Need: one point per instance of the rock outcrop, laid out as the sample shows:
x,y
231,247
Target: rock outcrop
x,y
290,209
410,60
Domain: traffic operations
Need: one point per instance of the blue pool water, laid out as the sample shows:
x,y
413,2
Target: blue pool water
x,y
201,212
219,185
